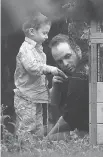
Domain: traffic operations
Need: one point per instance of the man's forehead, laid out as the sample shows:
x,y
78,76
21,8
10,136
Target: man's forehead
x,y
61,50
64,47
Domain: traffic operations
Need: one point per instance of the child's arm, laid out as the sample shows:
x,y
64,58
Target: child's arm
x,y
34,67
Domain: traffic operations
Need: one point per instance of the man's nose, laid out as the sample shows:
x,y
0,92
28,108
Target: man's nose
x,y
65,62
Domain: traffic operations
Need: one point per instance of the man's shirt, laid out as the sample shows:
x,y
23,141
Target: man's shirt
x,y
75,100
30,81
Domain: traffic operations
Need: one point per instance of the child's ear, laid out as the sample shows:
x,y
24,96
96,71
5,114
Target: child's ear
x,y
31,31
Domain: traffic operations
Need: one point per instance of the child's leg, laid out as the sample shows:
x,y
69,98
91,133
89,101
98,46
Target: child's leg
x,y
39,120
45,117
28,116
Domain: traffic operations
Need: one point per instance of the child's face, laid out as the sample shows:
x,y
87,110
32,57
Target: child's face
x,y
41,34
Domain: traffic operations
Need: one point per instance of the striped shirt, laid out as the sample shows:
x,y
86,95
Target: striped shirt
x,y
29,77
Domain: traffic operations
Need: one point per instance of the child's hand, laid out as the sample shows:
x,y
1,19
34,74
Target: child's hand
x,y
57,72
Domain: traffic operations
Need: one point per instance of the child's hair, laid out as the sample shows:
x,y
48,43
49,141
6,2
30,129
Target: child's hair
x,y
35,22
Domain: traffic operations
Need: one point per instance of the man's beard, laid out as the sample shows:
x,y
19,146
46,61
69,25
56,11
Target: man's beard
x,y
67,72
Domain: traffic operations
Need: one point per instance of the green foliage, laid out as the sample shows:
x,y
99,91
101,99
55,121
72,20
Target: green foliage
x,y
79,31
76,29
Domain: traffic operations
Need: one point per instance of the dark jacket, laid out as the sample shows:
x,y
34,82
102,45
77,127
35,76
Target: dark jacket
x,y
75,100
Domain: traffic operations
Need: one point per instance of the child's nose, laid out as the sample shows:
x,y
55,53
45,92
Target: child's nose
x,y
46,36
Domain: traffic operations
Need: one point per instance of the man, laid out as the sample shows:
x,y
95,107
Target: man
x,y
72,94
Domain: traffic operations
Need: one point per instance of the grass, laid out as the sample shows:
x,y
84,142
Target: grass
x,y
28,145
70,152
33,147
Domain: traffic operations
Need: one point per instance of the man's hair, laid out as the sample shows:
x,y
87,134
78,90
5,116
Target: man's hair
x,y
35,22
61,38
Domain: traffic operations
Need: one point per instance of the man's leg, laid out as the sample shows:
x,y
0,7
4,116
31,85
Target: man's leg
x,y
59,136
60,126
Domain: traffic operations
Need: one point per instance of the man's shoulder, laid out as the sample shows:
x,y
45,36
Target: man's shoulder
x,y
83,67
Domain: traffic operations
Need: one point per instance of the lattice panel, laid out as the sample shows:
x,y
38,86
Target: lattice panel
x,y
100,63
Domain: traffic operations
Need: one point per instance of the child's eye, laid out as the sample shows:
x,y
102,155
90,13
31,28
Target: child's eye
x,y
45,33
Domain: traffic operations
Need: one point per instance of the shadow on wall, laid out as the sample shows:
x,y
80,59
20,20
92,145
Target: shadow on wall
x,y
10,46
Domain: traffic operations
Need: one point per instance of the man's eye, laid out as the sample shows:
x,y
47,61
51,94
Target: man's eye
x,y
67,56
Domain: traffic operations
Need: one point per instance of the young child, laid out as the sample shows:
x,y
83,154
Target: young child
x,y
30,76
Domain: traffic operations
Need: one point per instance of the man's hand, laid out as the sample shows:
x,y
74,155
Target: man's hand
x,y
57,80
55,91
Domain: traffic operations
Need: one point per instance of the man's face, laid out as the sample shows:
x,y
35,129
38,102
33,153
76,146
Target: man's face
x,y
41,34
65,57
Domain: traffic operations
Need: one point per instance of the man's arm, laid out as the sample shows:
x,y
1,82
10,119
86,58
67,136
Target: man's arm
x,y
56,90
55,95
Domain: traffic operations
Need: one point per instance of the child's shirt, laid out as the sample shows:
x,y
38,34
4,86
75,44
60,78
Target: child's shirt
x,y
30,80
